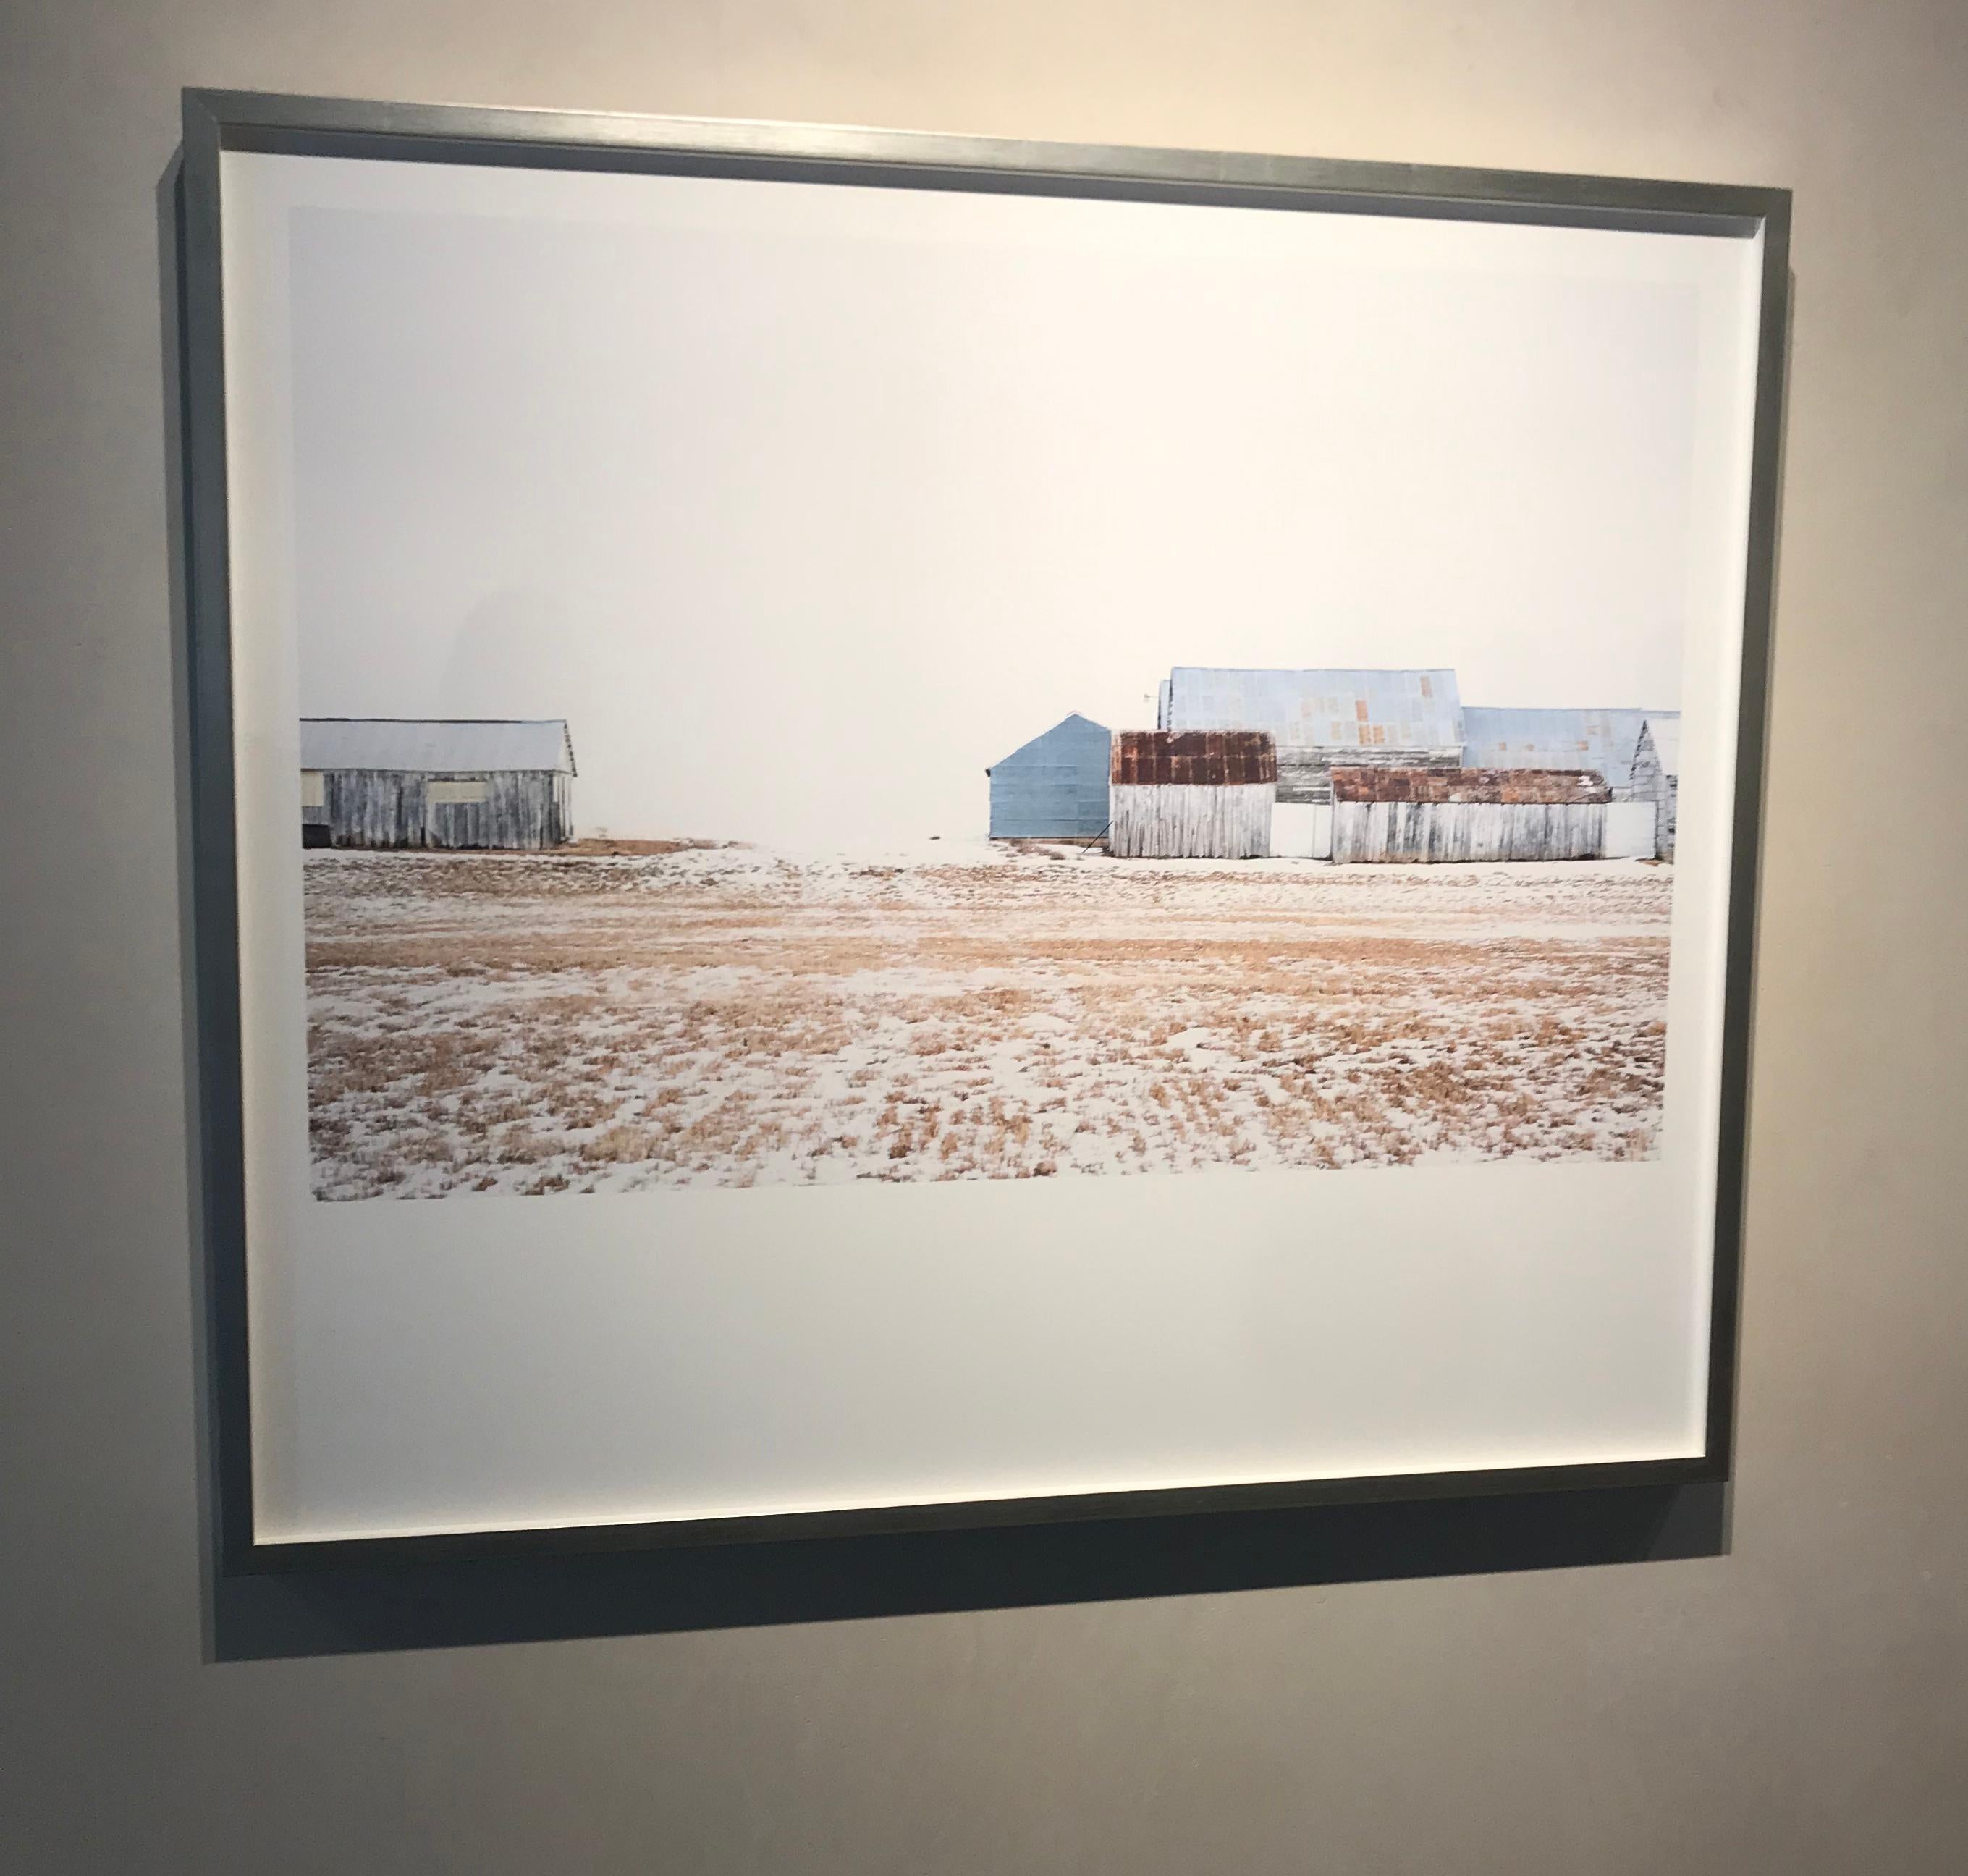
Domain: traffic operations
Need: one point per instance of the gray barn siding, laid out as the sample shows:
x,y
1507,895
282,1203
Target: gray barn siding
x,y
1190,821
1650,784
1415,833
1055,787
1656,779
523,810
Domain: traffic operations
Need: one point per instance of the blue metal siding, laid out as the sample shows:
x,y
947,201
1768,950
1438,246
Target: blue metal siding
x,y
1055,788
1325,709
1604,739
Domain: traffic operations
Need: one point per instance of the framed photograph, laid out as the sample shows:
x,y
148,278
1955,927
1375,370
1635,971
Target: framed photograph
x,y
902,831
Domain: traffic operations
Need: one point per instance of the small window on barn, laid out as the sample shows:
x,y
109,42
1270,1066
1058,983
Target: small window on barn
x,y
455,793
1427,689
1360,708
314,792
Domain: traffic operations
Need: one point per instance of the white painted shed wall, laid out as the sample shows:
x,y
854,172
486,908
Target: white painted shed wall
x,y
1630,830
1302,830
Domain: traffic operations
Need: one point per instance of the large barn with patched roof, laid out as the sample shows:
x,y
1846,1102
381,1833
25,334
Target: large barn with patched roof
x,y
1317,718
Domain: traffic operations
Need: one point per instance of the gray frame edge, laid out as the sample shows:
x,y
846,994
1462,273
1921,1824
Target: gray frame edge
x,y
1746,827
522,138
217,120
220,1114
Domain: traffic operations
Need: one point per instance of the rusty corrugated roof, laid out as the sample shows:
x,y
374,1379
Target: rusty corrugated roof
x,y
1205,758
1513,786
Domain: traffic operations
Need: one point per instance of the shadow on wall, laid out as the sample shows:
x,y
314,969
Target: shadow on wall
x,y
423,1605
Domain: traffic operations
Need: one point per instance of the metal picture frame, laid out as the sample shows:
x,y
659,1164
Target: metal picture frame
x,y
218,122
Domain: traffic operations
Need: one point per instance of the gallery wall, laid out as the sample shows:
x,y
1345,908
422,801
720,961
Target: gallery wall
x,y
1793,1700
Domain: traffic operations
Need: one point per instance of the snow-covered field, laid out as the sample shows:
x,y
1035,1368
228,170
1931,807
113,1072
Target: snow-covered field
x,y
722,1015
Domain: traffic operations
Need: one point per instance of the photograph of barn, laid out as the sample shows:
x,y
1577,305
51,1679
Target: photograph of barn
x,y
384,782
1413,722
1262,933
1053,787
1094,823
1194,795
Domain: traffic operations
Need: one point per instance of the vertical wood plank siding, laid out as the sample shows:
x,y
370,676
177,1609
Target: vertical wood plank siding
x,y
1417,833
1179,821
523,809
1652,783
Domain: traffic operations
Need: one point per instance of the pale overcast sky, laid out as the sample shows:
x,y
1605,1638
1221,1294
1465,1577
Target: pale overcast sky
x,y
803,505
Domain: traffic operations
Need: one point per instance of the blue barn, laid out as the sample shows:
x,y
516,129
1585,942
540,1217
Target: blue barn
x,y
1054,788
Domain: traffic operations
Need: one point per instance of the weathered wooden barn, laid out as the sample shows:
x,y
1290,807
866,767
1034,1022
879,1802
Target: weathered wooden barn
x,y
1415,816
1194,795
1319,719
1656,775
1053,787
1624,745
388,781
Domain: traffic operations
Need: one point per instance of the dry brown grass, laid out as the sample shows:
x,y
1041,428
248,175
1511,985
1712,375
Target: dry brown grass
x,y
595,848
488,1022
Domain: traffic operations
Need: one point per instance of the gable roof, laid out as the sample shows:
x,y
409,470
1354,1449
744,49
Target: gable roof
x,y
436,744
1604,739
1320,709
1665,727
1074,726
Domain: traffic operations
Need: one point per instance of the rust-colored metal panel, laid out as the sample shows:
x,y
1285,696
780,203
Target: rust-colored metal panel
x,y
1513,786
1193,758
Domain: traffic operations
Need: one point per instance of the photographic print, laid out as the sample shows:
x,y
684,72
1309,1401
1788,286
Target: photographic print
x,y
753,732
903,831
